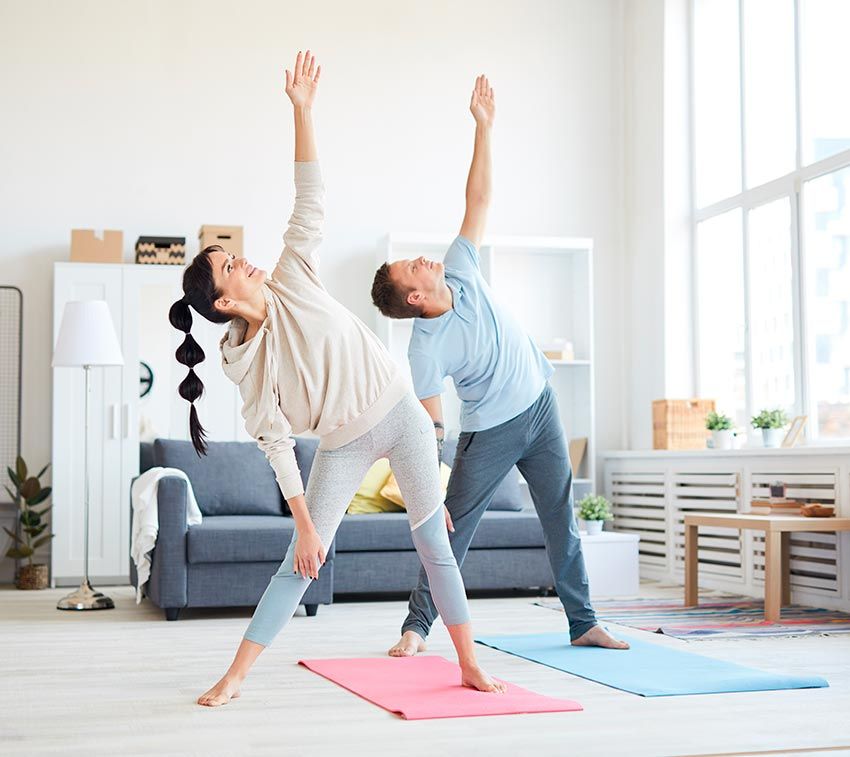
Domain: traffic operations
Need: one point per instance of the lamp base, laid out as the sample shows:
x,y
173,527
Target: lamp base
x,y
85,598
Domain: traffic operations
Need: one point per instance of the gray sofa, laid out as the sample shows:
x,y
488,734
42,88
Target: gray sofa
x,y
228,559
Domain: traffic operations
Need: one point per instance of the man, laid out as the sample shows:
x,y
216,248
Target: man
x,y
509,412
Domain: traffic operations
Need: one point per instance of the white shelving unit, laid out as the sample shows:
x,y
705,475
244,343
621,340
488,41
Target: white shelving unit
x,y
547,284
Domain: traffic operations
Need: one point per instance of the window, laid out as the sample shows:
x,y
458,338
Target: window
x,y
771,167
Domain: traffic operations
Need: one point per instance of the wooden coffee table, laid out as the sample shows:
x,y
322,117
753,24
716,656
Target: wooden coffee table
x,y
777,537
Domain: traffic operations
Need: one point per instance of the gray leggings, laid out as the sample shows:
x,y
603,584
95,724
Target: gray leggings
x,y
406,437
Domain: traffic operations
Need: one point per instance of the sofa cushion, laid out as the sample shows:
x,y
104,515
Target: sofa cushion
x,y
240,538
234,478
305,451
508,495
380,532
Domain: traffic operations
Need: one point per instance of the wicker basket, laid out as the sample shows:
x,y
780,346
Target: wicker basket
x,y
32,577
680,424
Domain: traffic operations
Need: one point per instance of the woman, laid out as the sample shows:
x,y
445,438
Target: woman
x,y
303,362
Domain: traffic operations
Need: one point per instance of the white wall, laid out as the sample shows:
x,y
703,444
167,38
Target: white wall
x,y
157,117
656,245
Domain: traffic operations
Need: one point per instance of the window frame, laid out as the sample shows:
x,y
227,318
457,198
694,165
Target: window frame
x,y
789,185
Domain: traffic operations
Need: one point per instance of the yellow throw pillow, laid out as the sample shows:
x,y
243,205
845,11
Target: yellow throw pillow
x,y
391,491
368,498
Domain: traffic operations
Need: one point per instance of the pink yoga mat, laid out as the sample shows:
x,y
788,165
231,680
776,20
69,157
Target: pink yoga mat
x,y
419,688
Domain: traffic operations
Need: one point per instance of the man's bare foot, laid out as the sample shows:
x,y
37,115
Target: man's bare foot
x,y
475,678
225,690
410,644
599,637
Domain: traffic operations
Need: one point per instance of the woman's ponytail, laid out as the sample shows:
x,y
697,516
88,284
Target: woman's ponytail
x,y
191,388
200,291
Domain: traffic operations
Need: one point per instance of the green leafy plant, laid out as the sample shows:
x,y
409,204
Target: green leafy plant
x,y
27,496
594,507
718,422
770,419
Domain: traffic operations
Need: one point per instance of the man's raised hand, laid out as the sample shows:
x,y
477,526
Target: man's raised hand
x,y
483,102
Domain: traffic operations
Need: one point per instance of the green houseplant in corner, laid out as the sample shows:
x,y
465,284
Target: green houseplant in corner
x,y
771,423
594,510
720,426
28,495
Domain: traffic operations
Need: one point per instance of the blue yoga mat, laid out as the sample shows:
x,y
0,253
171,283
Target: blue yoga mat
x,y
651,670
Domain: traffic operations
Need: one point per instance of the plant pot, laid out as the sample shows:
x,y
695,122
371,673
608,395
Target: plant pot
x,y
723,439
773,436
593,527
32,577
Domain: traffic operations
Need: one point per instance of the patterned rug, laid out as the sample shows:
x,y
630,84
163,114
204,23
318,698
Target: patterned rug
x,y
729,617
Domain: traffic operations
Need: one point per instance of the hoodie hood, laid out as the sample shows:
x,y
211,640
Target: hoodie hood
x,y
257,356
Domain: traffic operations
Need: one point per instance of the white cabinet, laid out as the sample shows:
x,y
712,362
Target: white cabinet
x,y
547,284
139,298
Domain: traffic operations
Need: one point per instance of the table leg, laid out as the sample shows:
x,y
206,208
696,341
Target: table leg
x,y
691,564
772,575
786,568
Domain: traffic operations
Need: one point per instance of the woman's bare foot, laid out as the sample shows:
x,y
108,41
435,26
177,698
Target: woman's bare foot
x,y
599,637
410,644
475,678
225,690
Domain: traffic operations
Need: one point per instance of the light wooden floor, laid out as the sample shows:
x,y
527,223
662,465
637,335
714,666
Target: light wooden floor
x,y
124,682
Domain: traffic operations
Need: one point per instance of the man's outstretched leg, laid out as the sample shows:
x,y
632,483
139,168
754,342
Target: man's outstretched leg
x,y
546,468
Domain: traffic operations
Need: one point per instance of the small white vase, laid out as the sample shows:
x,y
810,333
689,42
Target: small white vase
x,y
773,436
723,439
593,527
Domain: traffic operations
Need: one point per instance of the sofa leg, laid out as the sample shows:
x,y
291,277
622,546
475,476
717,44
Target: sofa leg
x,y
171,613
311,610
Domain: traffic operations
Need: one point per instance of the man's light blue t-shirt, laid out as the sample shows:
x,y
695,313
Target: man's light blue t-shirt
x,y
497,370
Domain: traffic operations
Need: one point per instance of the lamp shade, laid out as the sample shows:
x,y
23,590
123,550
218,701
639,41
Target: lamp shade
x,y
87,336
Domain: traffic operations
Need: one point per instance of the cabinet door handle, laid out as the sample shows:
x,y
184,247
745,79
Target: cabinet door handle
x,y
116,431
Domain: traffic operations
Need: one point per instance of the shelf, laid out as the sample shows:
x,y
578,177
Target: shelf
x,y
569,362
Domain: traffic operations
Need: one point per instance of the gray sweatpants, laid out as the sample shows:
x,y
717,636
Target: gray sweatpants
x,y
406,437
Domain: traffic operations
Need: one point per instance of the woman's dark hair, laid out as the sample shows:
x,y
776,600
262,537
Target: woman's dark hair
x,y
200,292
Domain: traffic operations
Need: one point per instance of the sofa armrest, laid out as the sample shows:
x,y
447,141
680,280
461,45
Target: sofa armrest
x,y
167,587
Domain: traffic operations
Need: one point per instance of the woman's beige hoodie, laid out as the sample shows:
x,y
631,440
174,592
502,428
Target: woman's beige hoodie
x,y
312,366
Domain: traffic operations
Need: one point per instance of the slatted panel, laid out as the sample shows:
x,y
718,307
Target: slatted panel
x,y
814,557
719,548
637,501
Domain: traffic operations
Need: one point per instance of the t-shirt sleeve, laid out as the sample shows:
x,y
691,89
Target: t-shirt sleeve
x,y
462,255
427,374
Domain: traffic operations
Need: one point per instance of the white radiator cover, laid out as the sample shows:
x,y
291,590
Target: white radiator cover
x,y
652,491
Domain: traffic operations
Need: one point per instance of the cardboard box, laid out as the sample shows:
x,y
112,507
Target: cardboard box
x,y
229,237
578,447
89,247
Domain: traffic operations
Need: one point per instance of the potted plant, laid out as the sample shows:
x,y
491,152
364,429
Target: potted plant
x,y
720,426
594,510
27,496
771,423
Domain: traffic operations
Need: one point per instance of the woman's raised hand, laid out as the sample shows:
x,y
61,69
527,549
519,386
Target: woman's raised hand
x,y
301,84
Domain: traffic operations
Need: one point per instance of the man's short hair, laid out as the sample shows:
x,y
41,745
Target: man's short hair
x,y
389,298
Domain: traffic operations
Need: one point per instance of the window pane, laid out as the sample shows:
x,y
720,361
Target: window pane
x,y
771,307
769,89
826,240
823,77
720,282
717,100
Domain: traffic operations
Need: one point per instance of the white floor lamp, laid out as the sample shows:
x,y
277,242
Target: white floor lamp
x,y
86,339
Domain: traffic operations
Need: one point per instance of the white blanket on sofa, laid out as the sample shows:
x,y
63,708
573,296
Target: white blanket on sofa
x,y
146,519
